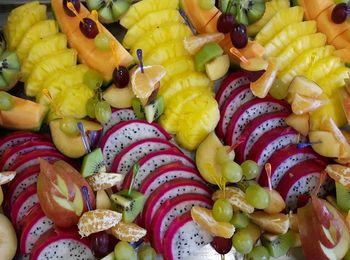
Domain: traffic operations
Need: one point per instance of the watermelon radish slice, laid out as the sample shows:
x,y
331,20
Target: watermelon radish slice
x,y
34,224
126,133
238,97
167,191
255,129
24,161
170,210
229,84
134,152
11,154
183,238
302,179
284,159
118,115
270,142
166,173
248,112
19,137
27,199
152,161
21,182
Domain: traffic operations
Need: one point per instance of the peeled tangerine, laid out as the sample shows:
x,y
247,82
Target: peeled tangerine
x,y
129,232
274,223
339,173
261,87
302,104
204,218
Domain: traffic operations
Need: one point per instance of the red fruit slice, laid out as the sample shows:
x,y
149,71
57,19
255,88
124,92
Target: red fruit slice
x,y
118,115
169,211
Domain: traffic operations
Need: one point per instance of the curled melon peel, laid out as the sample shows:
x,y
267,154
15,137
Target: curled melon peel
x,y
102,61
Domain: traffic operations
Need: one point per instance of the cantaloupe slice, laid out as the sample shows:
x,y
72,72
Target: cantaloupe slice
x,y
343,54
102,61
342,40
313,8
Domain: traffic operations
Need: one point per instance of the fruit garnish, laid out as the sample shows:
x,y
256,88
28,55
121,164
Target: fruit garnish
x,y
103,181
129,232
254,64
239,35
125,251
250,169
121,77
339,173
6,101
339,13
97,220
302,104
277,223
103,111
69,126
6,177
222,210
257,196
204,218
261,87
244,239
93,79
67,10
221,245
194,42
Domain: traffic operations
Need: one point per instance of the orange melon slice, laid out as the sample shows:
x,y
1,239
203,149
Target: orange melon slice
x,y
342,40
313,8
343,54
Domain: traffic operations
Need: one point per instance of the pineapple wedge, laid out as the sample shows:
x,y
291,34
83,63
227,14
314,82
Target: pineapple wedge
x,y
278,22
162,34
333,80
177,66
48,65
40,49
165,52
323,67
149,23
39,31
139,10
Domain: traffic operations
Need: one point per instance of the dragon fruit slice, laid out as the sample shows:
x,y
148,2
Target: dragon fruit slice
x,y
19,137
11,154
284,159
170,210
152,161
166,173
229,84
302,179
24,161
134,152
255,129
126,133
270,142
118,115
27,199
238,97
248,112
167,191
34,224
61,244
21,182
183,238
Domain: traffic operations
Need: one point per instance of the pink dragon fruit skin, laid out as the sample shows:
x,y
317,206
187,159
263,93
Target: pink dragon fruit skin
x,y
284,159
183,238
152,161
238,97
118,115
61,244
167,191
255,129
34,224
170,210
126,133
248,112
302,179
229,84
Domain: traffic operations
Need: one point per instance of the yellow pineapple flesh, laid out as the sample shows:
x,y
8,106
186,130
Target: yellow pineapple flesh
x,y
165,52
177,66
323,67
334,79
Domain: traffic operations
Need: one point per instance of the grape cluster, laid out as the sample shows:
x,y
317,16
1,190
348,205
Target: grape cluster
x,y
238,31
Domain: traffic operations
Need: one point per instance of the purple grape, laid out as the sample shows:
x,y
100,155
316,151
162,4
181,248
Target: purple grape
x,y
89,28
121,77
76,4
102,244
239,35
340,13
225,23
222,245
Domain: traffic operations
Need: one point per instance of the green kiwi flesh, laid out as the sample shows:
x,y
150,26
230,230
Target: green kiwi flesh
x,y
93,163
138,108
155,109
343,196
278,245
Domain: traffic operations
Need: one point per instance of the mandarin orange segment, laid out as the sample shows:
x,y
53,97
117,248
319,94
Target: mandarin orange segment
x,y
339,173
302,104
129,232
194,42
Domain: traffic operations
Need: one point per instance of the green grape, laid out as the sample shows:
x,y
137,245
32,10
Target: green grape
x,y
124,251
6,101
147,253
231,171
239,220
242,241
93,79
279,90
102,42
257,196
103,111
68,125
222,210
250,169
90,107
206,4
258,253
223,156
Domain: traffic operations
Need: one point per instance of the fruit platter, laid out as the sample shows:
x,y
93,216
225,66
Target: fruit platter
x,y
177,129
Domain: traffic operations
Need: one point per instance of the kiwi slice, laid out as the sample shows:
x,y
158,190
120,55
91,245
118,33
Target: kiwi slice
x,y
155,109
9,69
93,163
2,43
130,204
278,245
109,11
138,108
343,196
